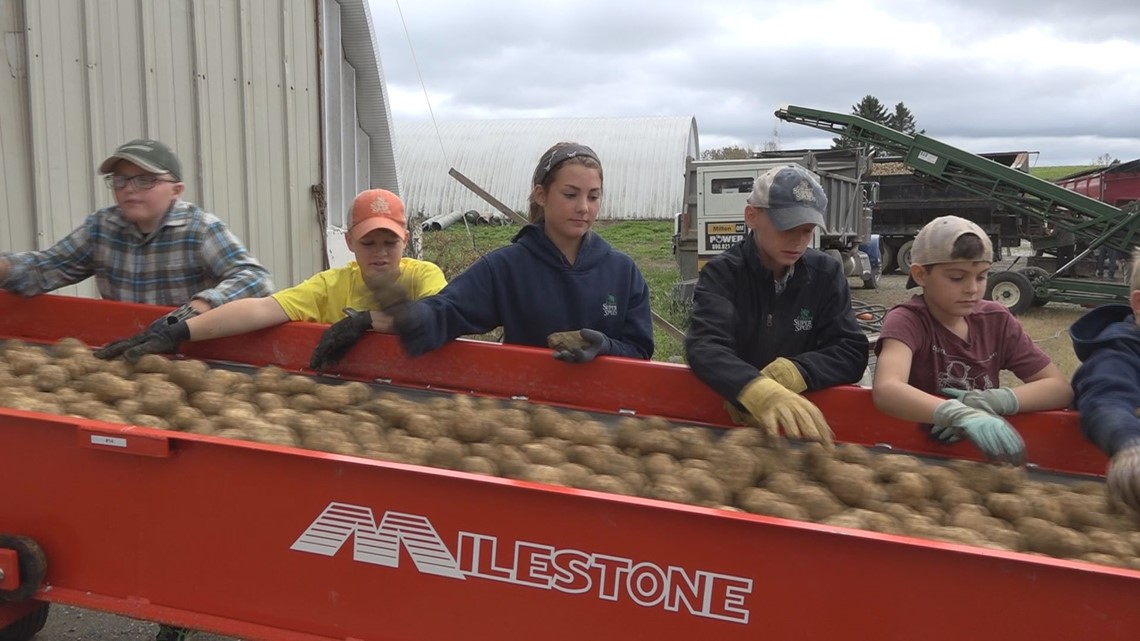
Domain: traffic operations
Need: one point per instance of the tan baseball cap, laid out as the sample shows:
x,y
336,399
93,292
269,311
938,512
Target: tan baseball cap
x,y
378,209
934,243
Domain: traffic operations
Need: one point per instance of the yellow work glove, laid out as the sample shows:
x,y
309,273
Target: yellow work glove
x,y
785,372
778,409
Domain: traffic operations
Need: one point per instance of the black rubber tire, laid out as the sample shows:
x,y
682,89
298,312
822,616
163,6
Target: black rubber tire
x,y
902,257
1013,290
25,628
33,567
886,256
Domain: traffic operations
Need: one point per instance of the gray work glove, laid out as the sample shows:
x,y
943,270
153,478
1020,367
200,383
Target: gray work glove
x,y
1000,401
995,437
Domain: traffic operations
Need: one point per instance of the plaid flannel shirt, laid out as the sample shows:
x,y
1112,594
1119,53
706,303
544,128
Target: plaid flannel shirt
x,y
191,255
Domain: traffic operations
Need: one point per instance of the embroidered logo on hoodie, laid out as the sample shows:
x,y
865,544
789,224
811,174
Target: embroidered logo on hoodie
x,y
609,308
803,323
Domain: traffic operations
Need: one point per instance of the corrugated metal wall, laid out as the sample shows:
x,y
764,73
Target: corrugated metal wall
x,y
17,224
643,160
231,85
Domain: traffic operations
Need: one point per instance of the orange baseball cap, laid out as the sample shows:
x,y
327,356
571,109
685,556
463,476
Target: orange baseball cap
x,y
378,209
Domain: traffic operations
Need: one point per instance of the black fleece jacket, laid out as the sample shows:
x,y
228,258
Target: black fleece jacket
x,y
739,324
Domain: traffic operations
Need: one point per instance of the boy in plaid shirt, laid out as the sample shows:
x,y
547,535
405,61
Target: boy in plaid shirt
x,y
150,247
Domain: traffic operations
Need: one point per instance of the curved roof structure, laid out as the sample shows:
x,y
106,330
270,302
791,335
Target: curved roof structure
x,y
643,160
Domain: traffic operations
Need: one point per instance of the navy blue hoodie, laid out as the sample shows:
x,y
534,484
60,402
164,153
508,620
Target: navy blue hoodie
x,y
530,289
1107,384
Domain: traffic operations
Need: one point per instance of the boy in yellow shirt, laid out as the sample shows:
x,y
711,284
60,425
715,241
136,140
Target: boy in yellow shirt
x,y
341,296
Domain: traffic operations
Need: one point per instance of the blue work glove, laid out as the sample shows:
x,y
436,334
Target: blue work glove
x,y
992,434
157,338
597,343
339,338
999,401
160,338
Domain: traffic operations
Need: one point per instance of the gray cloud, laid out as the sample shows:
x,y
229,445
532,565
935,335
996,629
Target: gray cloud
x,y
1020,72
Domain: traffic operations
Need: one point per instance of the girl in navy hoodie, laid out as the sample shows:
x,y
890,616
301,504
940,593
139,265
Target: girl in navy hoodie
x,y
556,275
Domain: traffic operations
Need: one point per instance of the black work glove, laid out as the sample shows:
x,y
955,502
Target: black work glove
x,y
339,338
598,343
159,338
159,327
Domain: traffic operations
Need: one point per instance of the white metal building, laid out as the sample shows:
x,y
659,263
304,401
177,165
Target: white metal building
x,y
643,160
275,107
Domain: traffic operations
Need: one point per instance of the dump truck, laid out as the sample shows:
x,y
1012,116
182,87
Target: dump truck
x,y
274,542
715,195
905,202
1093,223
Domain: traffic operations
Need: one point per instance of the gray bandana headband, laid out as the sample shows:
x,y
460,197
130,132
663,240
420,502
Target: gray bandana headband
x,y
557,156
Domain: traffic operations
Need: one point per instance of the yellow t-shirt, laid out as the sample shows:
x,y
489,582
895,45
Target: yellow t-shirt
x,y
322,298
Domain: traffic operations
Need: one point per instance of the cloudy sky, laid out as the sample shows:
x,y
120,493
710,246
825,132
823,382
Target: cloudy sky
x,y
1062,79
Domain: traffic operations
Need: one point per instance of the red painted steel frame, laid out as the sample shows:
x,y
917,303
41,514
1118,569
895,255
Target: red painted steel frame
x,y
198,531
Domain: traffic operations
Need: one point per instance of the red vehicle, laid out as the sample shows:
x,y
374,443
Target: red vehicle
x,y
1118,184
270,542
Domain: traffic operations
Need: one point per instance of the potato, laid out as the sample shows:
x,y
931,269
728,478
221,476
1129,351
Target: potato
x,y
187,374
660,464
423,426
268,379
152,363
146,420
850,453
541,454
510,461
696,442
26,360
69,347
294,384
542,474
1107,542
472,428
850,519
637,482
547,422
51,377
760,501
590,433
816,501
575,474
478,465
783,482
110,388
268,401
704,487
887,466
653,441
608,484
263,432
744,437
513,436
626,431
735,466
853,484
1010,507
305,402
446,453
668,489
1049,538
366,435
161,398
566,341
910,488
334,397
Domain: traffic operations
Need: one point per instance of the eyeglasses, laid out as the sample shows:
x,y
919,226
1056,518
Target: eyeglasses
x,y
142,182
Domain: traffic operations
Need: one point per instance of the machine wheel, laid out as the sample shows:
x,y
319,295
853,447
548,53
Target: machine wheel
x,y
1012,289
902,256
886,257
33,567
1036,274
26,627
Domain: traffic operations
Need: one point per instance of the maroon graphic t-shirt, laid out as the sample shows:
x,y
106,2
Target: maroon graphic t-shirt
x,y
996,341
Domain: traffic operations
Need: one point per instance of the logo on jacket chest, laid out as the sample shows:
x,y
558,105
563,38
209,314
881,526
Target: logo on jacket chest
x,y
609,308
802,323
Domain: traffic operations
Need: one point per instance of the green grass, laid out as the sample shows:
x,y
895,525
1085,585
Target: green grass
x,y
647,242
1057,172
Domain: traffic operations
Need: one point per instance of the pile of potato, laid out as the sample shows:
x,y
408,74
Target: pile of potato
x,y
849,486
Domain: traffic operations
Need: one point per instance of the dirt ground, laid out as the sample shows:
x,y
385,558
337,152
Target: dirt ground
x,y
76,624
1048,326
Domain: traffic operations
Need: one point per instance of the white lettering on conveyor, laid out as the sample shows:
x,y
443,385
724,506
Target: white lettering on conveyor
x,y
535,565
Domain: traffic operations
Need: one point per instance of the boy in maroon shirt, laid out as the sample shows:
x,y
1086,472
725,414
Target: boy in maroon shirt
x,y
950,342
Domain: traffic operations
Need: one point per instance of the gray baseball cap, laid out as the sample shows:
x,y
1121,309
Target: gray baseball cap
x,y
151,155
791,195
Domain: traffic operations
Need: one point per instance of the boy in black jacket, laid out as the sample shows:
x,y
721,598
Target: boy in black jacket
x,y
772,317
